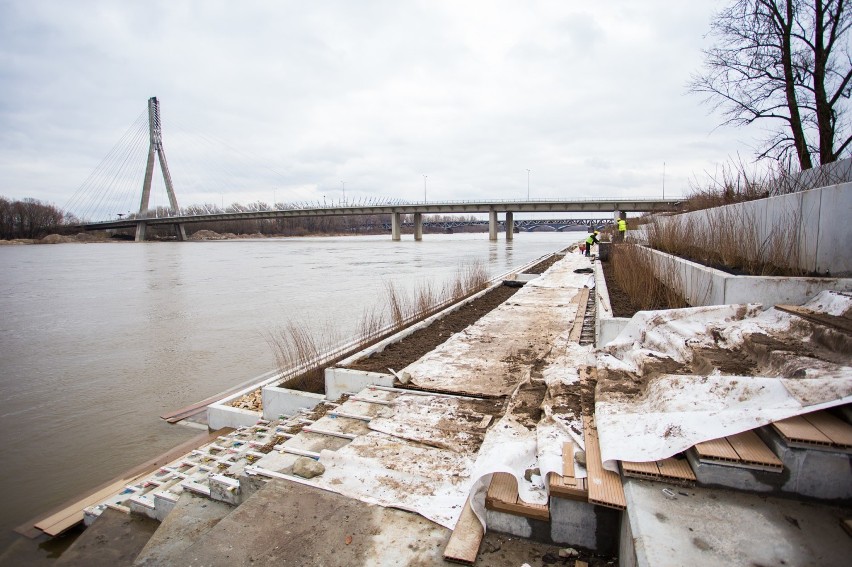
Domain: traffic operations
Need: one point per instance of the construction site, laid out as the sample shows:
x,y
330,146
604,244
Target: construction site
x,y
549,431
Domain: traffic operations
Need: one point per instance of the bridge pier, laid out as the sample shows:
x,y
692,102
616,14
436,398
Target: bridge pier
x,y
418,226
141,229
180,232
510,225
492,225
395,226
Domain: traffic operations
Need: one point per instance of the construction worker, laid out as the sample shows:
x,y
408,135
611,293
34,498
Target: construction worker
x,y
622,229
592,239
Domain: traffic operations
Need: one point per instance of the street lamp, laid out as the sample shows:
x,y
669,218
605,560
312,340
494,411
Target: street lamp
x,y
424,189
528,184
344,191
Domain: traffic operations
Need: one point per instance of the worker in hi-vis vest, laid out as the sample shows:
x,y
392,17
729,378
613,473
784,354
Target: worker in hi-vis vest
x,y
592,239
622,229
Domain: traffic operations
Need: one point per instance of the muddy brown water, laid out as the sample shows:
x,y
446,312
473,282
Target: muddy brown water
x,y
98,340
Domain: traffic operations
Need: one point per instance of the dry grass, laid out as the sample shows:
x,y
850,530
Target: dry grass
x,y
302,354
646,287
733,238
737,182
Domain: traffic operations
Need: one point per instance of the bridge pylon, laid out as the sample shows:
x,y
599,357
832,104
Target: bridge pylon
x,y
156,148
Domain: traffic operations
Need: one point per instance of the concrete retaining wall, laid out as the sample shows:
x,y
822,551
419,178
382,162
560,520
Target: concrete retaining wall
x,y
814,226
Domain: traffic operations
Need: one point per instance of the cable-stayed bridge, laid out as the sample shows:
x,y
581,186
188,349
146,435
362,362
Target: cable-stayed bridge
x,y
173,215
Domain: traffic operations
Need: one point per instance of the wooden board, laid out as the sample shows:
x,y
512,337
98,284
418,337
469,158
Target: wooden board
x,y
847,525
817,430
568,487
463,546
718,450
840,323
582,298
502,496
753,450
604,486
672,470
745,450
69,514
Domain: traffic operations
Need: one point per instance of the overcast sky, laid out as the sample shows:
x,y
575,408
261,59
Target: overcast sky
x,y
285,99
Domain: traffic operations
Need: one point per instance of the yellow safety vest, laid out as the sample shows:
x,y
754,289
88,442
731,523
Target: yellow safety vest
x,y
622,225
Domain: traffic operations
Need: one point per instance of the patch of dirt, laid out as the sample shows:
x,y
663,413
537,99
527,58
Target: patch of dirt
x,y
413,347
526,405
543,265
622,305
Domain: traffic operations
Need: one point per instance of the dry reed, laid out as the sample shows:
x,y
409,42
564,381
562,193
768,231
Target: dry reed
x,y
648,287
302,354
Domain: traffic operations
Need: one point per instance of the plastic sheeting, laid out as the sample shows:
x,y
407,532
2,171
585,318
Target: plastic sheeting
x,y
793,367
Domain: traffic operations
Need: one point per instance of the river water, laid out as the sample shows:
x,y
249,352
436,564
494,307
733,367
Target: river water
x,y
98,340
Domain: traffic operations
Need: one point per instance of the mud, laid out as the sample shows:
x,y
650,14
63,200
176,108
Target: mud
x,y
542,266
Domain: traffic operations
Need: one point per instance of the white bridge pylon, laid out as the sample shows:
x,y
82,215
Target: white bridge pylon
x,y
156,147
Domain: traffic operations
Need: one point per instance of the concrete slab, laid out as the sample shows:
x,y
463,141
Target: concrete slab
x,y
291,524
718,527
113,540
191,518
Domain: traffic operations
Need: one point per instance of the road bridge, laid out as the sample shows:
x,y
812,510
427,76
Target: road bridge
x,y
417,210
174,217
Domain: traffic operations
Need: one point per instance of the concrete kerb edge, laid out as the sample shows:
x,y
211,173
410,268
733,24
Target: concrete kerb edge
x,y
222,414
607,327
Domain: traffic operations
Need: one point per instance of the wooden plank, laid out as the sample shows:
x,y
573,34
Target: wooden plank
x,y
70,513
641,470
800,430
463,546
846,524
604,486
677,469
486,419
840,323
568,459
752,450
717,449
579,563
567,487
838,431
502,496
582,299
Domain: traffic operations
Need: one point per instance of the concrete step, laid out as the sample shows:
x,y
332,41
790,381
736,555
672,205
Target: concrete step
x,y
701,526
818,473
192,517
113,540
286,523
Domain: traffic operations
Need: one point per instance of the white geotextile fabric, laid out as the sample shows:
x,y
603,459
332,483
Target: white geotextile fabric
x,y
678,411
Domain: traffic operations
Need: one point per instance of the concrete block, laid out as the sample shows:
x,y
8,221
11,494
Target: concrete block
x,y
283,401
705,526
221,415
536,530
585,525
339,381
824,475
225,489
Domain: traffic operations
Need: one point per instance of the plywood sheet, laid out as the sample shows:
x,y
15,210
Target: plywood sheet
x,y
463,546
604,486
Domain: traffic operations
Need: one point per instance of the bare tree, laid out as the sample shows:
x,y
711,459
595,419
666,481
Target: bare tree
x,y
788,61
